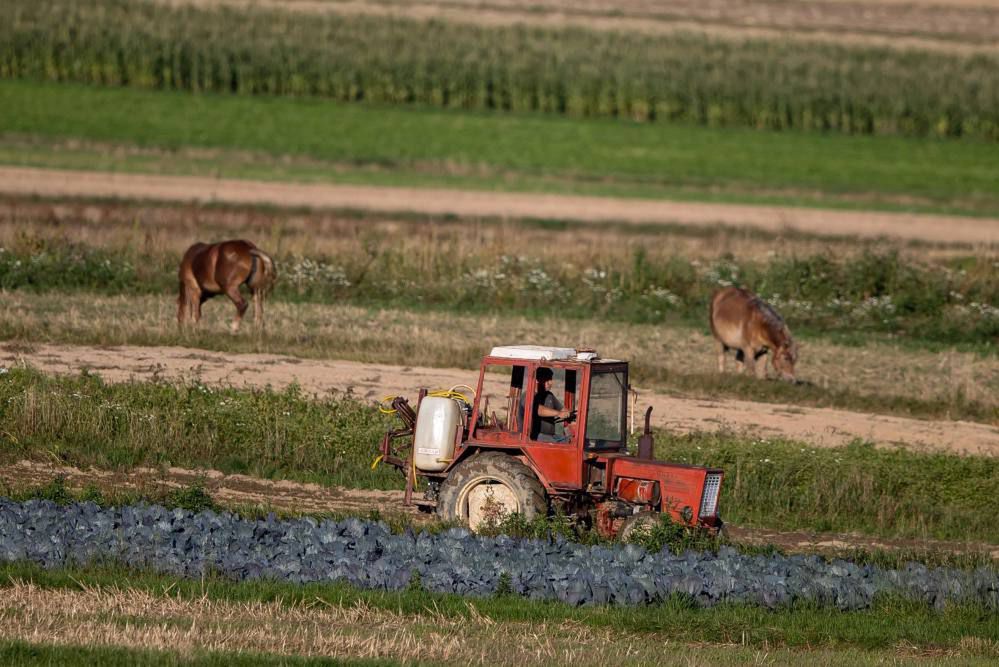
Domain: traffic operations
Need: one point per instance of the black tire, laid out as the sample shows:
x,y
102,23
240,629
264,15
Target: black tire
x,y
491,468
636,524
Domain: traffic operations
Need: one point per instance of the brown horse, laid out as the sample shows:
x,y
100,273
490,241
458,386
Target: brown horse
x,y
744,322
209,269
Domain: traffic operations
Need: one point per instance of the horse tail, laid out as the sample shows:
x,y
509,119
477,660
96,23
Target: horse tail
x,y
268,275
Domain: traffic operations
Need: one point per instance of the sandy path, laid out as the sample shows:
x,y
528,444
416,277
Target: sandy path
x,y
467,203
818,426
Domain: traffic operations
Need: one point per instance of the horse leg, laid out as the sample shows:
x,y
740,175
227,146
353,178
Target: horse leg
x,y
258,308
197,299
740,359
182,306
748,361
237,298
191,305
761,370
721,355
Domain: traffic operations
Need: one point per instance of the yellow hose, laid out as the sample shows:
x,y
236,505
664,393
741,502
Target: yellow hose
x,y
381,405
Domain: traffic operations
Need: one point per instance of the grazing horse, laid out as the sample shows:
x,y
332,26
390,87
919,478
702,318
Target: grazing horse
x,y
209,269
744,322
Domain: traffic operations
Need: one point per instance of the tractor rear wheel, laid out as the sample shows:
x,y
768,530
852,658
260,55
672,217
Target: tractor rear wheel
x,y
489,486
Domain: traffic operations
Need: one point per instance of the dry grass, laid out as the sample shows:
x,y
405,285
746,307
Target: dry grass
x,y
673,360
96,616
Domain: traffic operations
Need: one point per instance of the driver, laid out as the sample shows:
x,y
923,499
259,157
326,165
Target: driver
x,y
546,409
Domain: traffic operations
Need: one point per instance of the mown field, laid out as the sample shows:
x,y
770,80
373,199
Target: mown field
x,y
317,96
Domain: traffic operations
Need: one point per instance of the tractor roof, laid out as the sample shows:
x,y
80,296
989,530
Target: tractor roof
x,y
544,353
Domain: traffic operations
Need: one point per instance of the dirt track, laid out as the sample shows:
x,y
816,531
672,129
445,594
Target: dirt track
x,y
817,426
466,203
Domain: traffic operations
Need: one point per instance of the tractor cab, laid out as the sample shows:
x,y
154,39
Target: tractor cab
x,y
514,383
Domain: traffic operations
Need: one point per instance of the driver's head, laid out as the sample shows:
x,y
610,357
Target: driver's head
x,y
543,375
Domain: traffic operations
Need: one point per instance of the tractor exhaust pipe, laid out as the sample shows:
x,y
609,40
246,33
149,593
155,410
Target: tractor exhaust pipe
x,y
646,443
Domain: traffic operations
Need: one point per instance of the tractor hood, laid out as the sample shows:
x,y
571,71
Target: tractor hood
x,y
688,492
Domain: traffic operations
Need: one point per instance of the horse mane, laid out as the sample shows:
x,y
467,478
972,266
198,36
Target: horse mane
x,y
772,318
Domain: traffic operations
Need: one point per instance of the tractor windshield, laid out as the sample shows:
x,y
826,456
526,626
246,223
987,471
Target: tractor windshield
x,y
605,418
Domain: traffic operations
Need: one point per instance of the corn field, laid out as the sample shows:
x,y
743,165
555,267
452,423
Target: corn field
x,y
574,72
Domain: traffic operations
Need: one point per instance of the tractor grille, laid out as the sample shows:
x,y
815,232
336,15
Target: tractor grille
x,y
709,501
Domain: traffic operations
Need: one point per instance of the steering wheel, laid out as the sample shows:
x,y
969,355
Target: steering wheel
x,y
568,420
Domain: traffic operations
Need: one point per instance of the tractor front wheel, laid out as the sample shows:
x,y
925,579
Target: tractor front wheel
x,y
489,486
637,525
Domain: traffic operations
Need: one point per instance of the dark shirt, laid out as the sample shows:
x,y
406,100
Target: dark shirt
x,y
541,424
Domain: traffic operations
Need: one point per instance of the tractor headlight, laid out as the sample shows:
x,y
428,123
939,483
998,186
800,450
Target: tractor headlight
x,y
687,514
709,497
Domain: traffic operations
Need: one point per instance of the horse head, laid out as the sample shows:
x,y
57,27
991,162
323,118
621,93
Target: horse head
x,y
785,357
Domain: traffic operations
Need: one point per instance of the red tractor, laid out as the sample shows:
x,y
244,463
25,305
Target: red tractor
x,y
556,435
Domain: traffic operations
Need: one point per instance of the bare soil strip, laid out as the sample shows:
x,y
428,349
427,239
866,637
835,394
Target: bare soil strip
x,y
240,492
963,27
466,203
823,427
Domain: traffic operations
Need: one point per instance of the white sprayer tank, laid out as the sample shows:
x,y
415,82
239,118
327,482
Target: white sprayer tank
x,y
436,427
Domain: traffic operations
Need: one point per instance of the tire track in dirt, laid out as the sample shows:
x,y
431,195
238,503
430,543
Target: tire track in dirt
x,y
823,427
469,203
238,491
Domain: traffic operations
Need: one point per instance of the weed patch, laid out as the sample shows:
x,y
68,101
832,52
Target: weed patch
x,y
83,422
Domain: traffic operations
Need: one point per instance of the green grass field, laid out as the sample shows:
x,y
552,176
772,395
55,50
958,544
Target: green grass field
x,y
386,146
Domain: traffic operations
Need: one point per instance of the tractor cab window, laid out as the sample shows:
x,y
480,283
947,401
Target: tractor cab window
x,y
503,390
605,415
560,394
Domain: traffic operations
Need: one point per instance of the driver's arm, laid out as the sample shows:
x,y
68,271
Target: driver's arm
x,y
545,411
